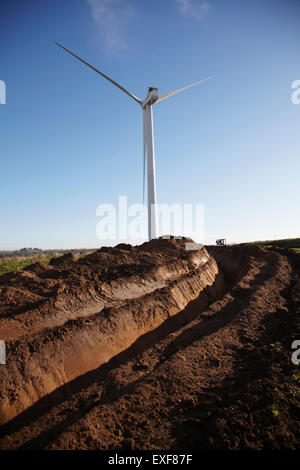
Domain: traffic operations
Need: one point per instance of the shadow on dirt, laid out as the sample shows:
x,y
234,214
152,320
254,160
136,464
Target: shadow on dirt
x,y
100,374
242,413
204,424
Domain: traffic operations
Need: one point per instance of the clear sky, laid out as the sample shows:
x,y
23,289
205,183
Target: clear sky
x,y
70,141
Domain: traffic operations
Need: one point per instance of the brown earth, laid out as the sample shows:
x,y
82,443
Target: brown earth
x,y
152,347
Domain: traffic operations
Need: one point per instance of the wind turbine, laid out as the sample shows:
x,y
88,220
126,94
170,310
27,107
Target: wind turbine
x,y
149,155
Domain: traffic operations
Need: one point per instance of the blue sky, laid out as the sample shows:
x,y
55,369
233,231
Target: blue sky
x,y
70,141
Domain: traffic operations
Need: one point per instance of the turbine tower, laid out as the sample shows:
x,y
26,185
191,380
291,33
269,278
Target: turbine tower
x,y
149,155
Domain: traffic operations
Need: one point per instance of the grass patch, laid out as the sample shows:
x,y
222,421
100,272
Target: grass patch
x,y
293,243
8,264
15,263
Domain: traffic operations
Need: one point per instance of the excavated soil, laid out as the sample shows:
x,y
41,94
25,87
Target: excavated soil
x,y
152,347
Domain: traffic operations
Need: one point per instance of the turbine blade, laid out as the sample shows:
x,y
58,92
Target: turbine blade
x,y
103,75
144,162
163,97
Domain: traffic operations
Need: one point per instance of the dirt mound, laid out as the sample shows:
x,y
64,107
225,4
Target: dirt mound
x,y
36,268
153,347
90,310
65,261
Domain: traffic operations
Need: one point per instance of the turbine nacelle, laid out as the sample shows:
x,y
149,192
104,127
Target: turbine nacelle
x,y
151,97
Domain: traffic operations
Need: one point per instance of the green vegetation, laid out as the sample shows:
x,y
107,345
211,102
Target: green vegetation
x,y
16,261
8,264
293,243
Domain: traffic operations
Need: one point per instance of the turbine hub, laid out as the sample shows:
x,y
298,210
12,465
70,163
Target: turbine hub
x,y
151,97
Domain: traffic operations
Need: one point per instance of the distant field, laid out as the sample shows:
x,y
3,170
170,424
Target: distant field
x,y
293,243
8,264
15,263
